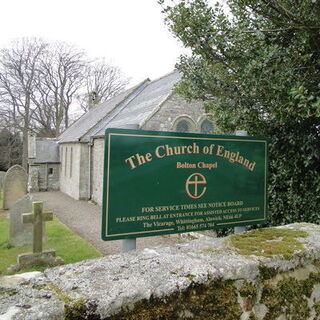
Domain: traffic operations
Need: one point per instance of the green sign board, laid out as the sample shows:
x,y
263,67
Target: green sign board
x,y
158,183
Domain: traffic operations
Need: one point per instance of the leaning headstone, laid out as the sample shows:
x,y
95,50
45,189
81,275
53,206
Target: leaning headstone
x,y
15,186
20,233
2,174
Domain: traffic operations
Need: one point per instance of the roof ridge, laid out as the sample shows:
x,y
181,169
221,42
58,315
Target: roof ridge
x,y
166,75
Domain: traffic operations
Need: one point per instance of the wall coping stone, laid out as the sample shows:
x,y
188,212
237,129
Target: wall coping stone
x,y
114,281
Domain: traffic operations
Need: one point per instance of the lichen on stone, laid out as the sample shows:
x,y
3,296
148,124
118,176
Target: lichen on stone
x,y
75,309
6,292
269,242
81,309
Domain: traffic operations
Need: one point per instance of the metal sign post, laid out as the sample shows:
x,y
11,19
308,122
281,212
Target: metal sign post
x,y
241,229
129,244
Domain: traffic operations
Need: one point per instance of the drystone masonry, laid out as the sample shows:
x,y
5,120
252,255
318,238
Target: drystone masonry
x,y
15,186
276,277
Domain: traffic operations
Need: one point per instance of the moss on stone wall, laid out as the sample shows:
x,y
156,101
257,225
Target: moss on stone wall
x,y
269,242
290,297
75,309
214,300
267,273
248,292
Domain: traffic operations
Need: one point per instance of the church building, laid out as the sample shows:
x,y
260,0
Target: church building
x,y
151,105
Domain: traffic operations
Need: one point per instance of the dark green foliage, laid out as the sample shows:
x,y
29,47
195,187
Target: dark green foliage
x,y
257,68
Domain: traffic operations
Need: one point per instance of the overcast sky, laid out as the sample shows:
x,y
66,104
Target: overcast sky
x,y
130,34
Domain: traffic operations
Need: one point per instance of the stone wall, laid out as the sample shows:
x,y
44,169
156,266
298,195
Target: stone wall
x,y
173,109
276,277
97,170
44,177
53,178
74,169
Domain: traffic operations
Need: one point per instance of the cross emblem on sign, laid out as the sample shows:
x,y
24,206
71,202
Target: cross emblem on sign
x,y
196,179
37,218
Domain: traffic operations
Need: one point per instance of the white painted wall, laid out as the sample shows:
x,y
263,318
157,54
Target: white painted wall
x,y
74,170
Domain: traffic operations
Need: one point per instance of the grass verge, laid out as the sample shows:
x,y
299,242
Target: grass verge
x,y
69,246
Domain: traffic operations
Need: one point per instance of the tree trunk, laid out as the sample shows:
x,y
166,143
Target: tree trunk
x,y
25,148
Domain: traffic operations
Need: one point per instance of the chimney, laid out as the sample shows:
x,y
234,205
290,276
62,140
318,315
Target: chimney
x,y
93,100
31,147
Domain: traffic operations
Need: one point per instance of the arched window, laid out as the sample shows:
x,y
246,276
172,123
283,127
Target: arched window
x,y
183,126
206,127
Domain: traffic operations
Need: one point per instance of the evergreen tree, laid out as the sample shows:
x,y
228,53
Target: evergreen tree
x,y
256,63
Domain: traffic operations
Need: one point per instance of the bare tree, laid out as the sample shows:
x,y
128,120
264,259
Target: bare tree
x,y
39,81
18,72
62,74
102,82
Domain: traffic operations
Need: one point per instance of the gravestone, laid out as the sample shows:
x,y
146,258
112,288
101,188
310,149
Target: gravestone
x,y
36,218
15,186
2,174
20,234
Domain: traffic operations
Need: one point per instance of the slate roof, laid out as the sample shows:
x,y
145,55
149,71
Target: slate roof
x,y
91,118
133,106
143,105
47,151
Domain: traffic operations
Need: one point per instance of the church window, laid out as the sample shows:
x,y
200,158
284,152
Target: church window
x,y
50,171
206,127
183,126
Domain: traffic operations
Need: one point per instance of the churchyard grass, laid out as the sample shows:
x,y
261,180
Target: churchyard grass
x,y
69,246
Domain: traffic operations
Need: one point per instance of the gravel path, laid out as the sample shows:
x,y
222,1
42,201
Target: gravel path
x,y
84,218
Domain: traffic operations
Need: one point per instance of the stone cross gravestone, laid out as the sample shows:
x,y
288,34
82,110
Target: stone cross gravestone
x,y
37,217
38,257
15,186
20,234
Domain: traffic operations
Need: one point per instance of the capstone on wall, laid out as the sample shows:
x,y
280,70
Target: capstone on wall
x,y
207,278
74,167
